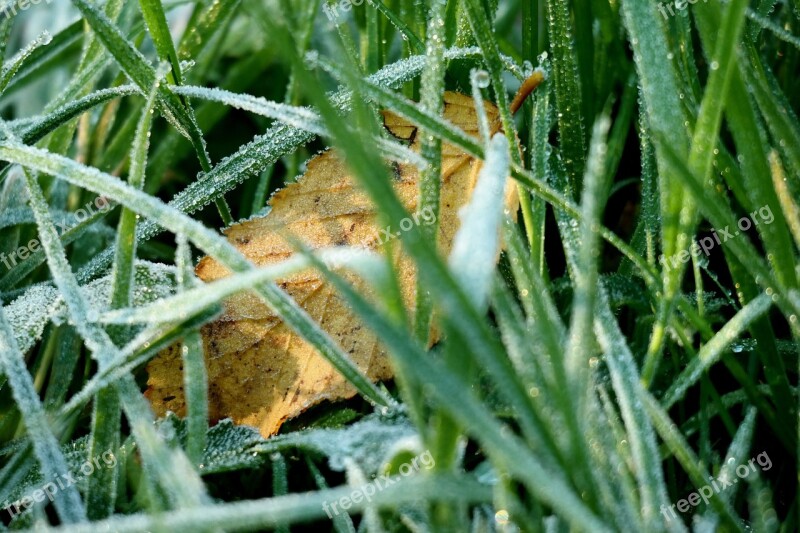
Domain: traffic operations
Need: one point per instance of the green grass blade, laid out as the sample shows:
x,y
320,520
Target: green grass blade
x,y
183,489
431,100
156,21
567,88
195,381
468,410
714,349
69,506
125,253
688,460
701,155
208,241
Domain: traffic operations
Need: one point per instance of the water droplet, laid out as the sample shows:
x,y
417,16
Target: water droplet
x,y
312,58
501,517
481,78
527,68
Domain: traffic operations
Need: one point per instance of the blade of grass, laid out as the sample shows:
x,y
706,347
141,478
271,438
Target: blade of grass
x,y
711,352
195,381
268,513
453,394
156,21
790,209
585,274
123,266
431,100
567,88
167,467
68,505
142,74
208,241
701,155
687,458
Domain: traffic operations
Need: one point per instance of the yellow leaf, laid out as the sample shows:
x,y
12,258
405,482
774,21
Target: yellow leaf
x,y
260,372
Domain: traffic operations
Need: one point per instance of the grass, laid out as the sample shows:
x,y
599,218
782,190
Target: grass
x,y
634,351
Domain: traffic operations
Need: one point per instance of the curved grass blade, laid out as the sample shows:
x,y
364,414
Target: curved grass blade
x,y
208,241
169,468
63,45
42,125
269,513
135,65
12,66
257,155
711,352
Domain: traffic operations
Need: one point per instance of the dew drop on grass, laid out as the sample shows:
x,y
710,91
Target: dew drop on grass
x,y
481,78
527,69
312,59
501,517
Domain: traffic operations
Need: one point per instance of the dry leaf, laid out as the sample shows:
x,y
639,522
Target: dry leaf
x,y
260,372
